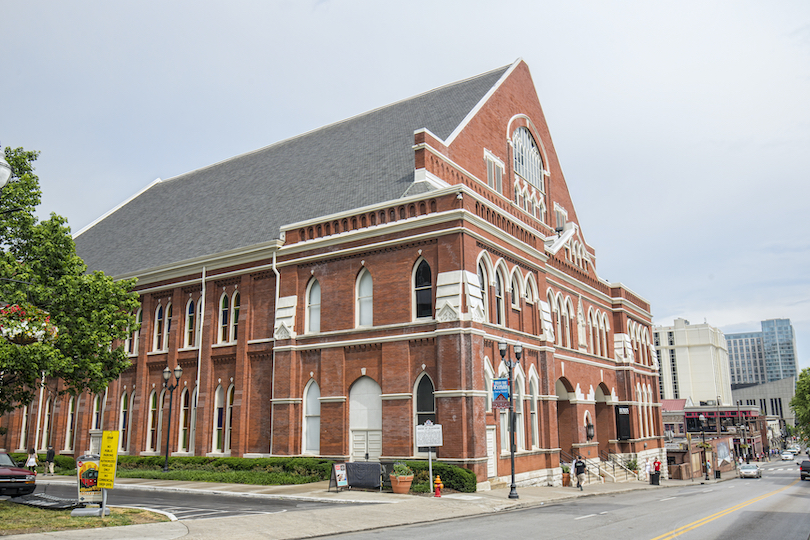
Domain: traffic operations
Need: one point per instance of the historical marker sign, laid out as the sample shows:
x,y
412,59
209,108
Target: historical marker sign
x,y
429,435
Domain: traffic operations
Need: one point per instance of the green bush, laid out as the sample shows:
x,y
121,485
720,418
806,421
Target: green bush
x,y
453,477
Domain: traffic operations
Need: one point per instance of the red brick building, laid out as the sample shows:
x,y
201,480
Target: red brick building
x,y
326,294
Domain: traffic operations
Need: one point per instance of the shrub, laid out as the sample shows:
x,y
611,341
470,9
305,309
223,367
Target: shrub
x,y
453,477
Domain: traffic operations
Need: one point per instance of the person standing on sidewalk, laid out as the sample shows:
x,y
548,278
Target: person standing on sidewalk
x,y
579,470
31,463
49,457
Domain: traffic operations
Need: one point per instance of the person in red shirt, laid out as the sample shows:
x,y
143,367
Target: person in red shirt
x,y
657,465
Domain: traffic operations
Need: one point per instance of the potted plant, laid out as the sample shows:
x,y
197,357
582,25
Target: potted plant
x,y
566,475
401,478
24,324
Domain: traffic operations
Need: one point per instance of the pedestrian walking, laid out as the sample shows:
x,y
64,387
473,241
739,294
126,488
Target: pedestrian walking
x,y
31,462
49,457
647,468
579,470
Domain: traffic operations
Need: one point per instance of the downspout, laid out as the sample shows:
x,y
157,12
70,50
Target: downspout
x,y
273,372
199,361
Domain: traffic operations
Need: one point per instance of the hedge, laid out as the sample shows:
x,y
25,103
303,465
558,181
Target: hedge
x,y
453,476
318,469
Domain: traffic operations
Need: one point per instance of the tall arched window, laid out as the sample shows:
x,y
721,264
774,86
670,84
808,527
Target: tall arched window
x,y
219,420
425,403
185,418
229,418
123,423
96,422
423,290
312,419
235,316
515,292
313,312
528,163
191,325
499,315
152,426
484,284
365,299
131,344
520,432
24,429
157,340
168,326
224,306
69,428
533,421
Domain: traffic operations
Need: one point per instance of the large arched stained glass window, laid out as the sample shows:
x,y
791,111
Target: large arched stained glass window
x,y
528,162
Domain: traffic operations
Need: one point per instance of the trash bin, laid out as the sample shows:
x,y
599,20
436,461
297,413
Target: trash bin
x,y
717,474
655,478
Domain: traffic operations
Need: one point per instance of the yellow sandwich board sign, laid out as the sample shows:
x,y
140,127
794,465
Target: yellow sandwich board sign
x,y
108,459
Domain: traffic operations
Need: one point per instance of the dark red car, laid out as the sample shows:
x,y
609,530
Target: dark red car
x,y
15,480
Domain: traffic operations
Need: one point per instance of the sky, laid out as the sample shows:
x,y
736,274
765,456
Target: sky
x,y
683,128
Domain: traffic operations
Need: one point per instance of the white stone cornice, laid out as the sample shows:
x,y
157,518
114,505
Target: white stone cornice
x,y
332,399
286,401
395,396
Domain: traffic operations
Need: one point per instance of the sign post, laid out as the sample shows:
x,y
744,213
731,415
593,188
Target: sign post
x,y
108,461
429,434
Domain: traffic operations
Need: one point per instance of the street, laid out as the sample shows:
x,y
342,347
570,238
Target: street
x,y
774,506
185,505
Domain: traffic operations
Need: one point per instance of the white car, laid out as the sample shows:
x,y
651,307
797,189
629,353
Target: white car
x,y
750,470
787,456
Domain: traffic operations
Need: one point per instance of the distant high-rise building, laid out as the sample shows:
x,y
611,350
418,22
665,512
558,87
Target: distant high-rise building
x,y
766,356
693,363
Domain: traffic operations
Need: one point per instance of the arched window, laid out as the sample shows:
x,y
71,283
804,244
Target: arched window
x,y
152,427
489,374
528,163
235,317
24,429
191,325
69,429
425,404
219,420
313,312
484,284
224,306
131,344
534,420
157,341
520,435
185,418
515,292
499,315
123,423
423,290
96,422
365,299
168,327
312,419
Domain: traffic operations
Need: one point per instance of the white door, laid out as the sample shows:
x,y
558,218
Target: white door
x,y
365,420
492,469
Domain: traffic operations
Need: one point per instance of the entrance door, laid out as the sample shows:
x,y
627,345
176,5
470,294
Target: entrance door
x,y
492,468
365,420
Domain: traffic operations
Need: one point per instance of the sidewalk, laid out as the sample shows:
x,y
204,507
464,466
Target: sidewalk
x,y
392,510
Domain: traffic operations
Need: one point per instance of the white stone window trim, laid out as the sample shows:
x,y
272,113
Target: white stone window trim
x,y
414,290
308,319
363,303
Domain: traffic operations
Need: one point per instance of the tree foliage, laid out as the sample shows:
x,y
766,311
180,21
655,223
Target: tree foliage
x,y
801,404
39,265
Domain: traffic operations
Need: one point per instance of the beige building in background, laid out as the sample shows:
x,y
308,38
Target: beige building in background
x,y
693,363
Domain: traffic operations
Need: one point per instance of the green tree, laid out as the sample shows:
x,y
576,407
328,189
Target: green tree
x,y
39,266
801,404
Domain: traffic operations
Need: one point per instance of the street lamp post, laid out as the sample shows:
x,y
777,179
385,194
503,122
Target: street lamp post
x,y
502,346
703,436
178,372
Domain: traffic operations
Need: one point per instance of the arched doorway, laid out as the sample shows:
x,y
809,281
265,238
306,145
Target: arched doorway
x,y
365,420
604,419
567,422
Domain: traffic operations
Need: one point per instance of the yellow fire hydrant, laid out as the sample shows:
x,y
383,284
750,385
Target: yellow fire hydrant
x,y
438,485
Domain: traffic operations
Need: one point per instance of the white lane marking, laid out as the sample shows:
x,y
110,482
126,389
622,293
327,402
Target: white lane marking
x,y
602,513
583,517
707,490
667,499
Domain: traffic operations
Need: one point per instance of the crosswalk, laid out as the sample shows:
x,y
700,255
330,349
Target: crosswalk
x,y
176,513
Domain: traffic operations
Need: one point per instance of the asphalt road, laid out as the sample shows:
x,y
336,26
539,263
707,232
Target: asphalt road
x,y
184,505
773,507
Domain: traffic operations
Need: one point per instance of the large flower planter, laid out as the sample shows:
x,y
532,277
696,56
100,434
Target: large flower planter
x,y
566,479
401,484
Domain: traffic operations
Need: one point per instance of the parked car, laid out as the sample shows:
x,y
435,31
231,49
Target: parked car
x,y
804,469
750,470
15,480
787,456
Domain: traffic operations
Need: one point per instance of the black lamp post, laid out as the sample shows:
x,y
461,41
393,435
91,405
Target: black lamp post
x,y
178,372
703,436
502,346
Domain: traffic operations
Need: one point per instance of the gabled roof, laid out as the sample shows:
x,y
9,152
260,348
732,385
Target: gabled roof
x,y
673,405
243,201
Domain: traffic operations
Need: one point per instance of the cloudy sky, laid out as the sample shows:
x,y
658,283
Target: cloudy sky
x,y
683,128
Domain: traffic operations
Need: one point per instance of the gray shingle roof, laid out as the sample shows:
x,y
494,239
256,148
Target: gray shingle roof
x,y
244,200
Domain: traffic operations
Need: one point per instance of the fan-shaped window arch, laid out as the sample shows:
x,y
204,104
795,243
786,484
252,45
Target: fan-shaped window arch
x,y
528,162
